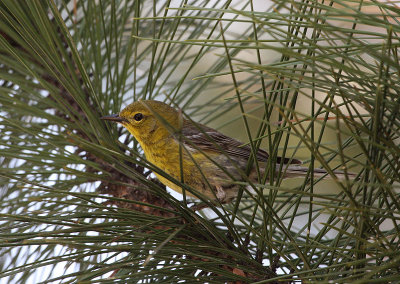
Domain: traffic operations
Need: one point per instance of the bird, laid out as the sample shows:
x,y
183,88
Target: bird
x,y
204,159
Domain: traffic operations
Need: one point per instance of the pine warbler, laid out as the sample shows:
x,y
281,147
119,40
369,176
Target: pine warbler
x,y
210,160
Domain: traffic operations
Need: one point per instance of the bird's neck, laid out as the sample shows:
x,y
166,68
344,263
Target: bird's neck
x,y
159,149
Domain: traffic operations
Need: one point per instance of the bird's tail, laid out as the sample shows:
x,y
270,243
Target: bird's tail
x,y
292,171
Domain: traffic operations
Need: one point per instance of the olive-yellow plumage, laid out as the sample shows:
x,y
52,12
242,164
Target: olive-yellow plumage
x,y
210,160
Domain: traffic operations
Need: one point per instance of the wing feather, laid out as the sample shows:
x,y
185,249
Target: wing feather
x,y
206,138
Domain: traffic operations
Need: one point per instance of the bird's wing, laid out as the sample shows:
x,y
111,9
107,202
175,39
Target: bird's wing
x,y
209,139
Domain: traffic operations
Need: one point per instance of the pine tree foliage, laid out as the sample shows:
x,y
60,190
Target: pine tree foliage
x,y
316,80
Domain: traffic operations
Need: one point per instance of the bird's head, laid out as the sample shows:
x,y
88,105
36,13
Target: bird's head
x,y
148,121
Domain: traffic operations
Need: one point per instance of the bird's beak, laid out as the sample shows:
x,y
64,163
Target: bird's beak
x,y
114,117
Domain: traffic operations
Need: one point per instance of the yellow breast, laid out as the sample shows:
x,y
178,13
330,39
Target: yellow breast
x,y
195,166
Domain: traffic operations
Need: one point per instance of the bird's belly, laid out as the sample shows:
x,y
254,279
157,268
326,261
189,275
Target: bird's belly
x,y
199,173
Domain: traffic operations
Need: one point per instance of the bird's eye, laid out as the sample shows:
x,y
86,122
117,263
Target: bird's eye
x,y
138,117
